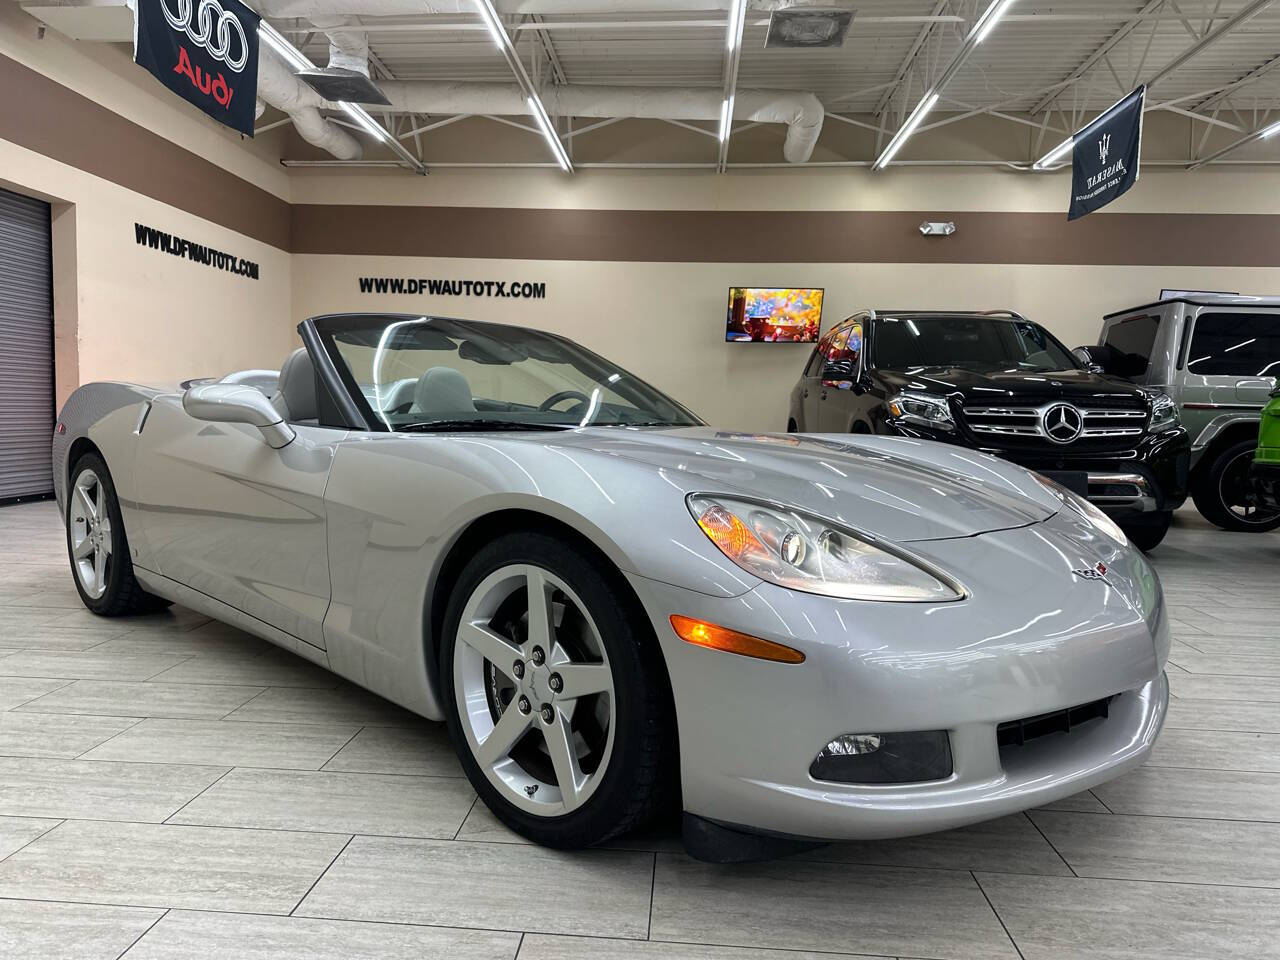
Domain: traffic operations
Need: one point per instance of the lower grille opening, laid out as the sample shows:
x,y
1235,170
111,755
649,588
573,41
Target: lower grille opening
x,y
1014,733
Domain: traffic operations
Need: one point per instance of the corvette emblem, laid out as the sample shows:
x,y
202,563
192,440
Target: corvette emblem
x,y
1097,572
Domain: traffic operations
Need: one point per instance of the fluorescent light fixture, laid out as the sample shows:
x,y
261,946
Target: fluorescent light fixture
x,y
1054,155
489,16
906,130
283,48
365,122
734,34
1270,131
544,122
726,118
990,17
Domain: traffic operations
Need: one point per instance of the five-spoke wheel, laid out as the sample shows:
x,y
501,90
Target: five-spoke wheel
x,y
554,692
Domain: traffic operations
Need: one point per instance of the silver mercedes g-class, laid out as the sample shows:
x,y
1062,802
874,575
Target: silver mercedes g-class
x,y
1218,357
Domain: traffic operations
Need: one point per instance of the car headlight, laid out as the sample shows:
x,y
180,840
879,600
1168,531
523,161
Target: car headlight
x,y
1091,514
1164,412
804,552
922,409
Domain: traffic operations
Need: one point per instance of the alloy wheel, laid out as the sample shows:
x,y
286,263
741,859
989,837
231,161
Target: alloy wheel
x,y
1235,494
91,543
535,690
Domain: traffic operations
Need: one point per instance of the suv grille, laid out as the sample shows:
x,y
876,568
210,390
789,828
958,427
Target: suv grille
x,y
1014,733
1056,425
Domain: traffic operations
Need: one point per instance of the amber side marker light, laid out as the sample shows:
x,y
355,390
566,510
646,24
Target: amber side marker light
x,y
704,634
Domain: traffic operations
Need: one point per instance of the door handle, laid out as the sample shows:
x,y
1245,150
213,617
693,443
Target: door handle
x,y
805,395
823,395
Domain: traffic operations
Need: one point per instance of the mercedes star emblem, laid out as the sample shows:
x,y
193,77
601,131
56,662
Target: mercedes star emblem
x,y
1062,423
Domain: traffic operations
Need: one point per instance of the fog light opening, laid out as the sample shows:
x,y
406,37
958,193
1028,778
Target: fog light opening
x,y
876,758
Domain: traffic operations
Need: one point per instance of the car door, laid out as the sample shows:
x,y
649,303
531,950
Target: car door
x,y
237,520
811,383
839,400
1233,359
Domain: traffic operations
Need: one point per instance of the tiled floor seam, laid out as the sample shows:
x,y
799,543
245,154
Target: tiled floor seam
x,y
42,833
1013,943
1030,819
320,876
197,796
138,938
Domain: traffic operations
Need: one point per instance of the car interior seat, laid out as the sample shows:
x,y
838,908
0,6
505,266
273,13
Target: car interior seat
x,y
443,390
295,396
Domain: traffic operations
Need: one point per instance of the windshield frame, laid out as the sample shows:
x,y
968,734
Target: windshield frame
x,y
878,320
319,334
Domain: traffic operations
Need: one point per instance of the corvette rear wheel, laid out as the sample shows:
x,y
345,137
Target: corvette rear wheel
x,y
97,547
554,696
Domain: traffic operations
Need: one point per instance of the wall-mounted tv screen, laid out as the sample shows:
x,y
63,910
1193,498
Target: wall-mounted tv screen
x,y
774,314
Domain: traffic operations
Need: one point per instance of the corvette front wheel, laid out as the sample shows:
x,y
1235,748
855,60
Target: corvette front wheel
x,y
554,693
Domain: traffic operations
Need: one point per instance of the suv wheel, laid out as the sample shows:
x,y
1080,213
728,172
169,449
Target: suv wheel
x,y
1223,494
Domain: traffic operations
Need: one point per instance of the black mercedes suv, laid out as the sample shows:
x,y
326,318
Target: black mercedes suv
x,y
997,382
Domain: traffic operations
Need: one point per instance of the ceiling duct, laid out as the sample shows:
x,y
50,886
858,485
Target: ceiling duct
x,y
346,78
803,26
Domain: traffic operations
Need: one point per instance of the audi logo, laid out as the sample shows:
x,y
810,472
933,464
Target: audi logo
x,y
212,28
1062,423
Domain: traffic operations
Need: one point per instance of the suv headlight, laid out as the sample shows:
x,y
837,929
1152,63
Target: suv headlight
x,y
804,552
1164,412
922,409
1091,514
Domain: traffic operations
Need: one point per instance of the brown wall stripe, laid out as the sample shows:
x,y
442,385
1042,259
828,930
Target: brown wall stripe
x,y
704,236
43,115
53,120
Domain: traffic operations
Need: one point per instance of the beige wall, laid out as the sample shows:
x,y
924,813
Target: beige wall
x,y
125,312
665,321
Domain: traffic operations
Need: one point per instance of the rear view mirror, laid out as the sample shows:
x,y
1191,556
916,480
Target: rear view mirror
x,y
238,403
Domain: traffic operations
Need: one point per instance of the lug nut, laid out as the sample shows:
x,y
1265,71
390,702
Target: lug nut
x,y
517,669
555,683
538,656
547,713
523,705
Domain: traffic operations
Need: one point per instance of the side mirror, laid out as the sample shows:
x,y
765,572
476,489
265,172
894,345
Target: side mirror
x,y
236,403
1085,356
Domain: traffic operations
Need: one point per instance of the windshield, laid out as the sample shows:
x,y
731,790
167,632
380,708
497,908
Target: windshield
x,y
981,343
417,373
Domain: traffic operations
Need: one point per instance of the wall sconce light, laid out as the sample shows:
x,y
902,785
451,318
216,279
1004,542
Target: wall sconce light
x,y
938,228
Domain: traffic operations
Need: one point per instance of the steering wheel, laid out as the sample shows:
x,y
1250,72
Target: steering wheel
x,y
563,395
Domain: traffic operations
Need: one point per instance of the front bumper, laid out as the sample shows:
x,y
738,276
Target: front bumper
x,y
1150,478
1031,638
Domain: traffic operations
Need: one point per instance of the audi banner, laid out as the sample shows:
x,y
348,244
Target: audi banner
x,y
1105,156
205,51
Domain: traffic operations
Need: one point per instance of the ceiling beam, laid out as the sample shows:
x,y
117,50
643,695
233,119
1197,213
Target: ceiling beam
x,y
1238,19
905,67
1254,74
1101,51
1262,133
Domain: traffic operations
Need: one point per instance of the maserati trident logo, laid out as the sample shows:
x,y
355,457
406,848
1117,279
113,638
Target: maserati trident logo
x,y
1097,572
1062,423
1104,147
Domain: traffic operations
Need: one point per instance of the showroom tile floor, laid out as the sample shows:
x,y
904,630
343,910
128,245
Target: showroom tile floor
x,y
171,788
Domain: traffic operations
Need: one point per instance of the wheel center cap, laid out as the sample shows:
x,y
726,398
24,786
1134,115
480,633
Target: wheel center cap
x,y
537,682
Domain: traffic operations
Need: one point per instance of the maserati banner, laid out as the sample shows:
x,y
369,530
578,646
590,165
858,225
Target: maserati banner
x,y
1105,156
205,51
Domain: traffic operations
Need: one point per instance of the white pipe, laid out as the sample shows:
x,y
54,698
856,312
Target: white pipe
x,y
347,50
278,87
801,112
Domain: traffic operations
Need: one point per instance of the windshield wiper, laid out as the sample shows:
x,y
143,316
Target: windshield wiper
x,y
445,426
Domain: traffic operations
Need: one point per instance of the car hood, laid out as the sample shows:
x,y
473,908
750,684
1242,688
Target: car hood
x,y
1001,386
895,488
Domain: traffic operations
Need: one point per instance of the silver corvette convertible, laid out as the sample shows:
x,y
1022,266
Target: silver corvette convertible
x,y
618,610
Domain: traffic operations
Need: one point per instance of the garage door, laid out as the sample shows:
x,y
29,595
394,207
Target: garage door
x,y
26,348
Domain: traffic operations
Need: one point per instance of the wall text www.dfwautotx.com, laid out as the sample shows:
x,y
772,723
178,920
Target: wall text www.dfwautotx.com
x,y
454,288
197,252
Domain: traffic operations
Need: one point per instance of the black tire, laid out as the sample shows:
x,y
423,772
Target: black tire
x,y
123,594
1223,484
1147,534
642,771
